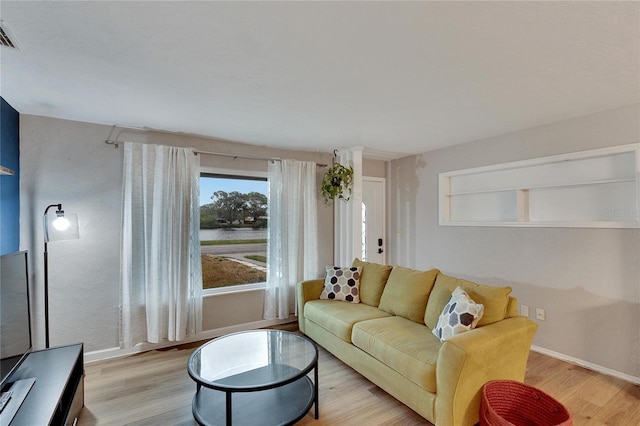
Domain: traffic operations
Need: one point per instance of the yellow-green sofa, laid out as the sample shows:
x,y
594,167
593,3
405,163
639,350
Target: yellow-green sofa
x,y
387,338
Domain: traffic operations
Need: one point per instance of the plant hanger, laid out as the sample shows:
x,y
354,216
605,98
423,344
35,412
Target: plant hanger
x,y
337,181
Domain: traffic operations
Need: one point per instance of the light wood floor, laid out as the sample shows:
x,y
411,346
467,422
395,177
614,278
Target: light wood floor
x,y
153,388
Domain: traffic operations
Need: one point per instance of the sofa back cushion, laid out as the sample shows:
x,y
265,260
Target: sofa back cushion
x,y
372,281
512,307
407,292
494,299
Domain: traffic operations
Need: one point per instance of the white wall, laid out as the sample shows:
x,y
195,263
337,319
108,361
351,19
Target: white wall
x,y
68,162
587,280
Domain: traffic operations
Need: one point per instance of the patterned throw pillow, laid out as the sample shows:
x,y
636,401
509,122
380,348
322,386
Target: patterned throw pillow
x,y
460,314
342,284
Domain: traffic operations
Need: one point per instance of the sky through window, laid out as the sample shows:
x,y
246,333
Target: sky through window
x,y
210,185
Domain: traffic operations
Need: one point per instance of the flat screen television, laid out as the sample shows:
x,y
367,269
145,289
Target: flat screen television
x,y
15,318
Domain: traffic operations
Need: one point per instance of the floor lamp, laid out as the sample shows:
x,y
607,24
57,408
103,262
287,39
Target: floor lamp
x,y
57,227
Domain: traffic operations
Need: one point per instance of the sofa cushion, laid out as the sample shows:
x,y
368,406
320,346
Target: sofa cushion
x,y
339,317
460,314
342,284
494,299
372,281
407,347
407,291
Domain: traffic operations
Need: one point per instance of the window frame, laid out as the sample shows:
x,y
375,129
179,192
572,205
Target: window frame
x,y
215,172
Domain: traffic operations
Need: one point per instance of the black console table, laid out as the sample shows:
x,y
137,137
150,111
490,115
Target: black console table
x,y
57,395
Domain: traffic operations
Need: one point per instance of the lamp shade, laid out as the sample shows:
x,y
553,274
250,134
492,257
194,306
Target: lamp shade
x,y
58,227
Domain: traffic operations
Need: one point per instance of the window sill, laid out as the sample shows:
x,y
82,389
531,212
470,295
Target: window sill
x,y
241,288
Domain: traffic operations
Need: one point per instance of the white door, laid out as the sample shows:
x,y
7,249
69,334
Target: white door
x,y
373,220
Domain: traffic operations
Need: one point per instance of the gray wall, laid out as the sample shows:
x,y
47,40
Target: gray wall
x,y
68,162
587,280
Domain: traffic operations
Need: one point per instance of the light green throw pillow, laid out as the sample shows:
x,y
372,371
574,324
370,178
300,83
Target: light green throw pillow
x,y
407,292
372,281
494,299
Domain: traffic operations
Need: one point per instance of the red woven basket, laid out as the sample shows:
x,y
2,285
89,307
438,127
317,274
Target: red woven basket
x,y
511,403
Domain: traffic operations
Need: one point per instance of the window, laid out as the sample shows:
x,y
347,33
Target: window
x,y
233,230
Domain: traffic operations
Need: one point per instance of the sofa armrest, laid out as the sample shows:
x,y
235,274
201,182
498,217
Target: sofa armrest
x,y
467,361
307,290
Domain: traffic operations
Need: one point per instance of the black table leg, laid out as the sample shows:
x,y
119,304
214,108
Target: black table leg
x,y
229,413
315,384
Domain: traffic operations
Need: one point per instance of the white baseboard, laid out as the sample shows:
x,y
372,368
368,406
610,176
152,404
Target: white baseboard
x,y
588,365
115,352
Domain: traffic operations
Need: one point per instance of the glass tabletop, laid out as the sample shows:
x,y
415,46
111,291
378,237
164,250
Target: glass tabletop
x,y
252,360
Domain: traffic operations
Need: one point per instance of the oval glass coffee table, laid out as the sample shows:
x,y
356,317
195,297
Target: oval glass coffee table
x,y
254,377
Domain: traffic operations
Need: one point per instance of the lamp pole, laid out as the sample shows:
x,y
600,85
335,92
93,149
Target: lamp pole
x,y
46,281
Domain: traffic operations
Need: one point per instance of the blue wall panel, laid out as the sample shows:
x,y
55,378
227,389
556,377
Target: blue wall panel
x,y
9,184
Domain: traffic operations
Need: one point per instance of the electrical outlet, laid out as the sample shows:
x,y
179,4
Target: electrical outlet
x,y
524,311
540,314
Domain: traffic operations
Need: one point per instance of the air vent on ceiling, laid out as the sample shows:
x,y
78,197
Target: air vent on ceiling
x,y
5,39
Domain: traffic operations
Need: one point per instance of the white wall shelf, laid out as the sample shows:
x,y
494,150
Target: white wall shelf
x,y
589,189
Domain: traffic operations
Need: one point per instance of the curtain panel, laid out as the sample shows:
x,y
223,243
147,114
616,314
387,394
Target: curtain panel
x,y
348,215
292,249
161,276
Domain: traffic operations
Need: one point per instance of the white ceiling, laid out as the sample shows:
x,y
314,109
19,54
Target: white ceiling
x,y
395,77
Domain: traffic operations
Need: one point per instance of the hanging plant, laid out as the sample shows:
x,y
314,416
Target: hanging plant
x,y
337,183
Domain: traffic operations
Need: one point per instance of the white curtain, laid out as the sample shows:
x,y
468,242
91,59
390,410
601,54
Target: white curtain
x,y
161,275
347,233
292,251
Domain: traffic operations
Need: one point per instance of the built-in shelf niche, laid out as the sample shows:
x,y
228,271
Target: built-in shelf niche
x,y
592,189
